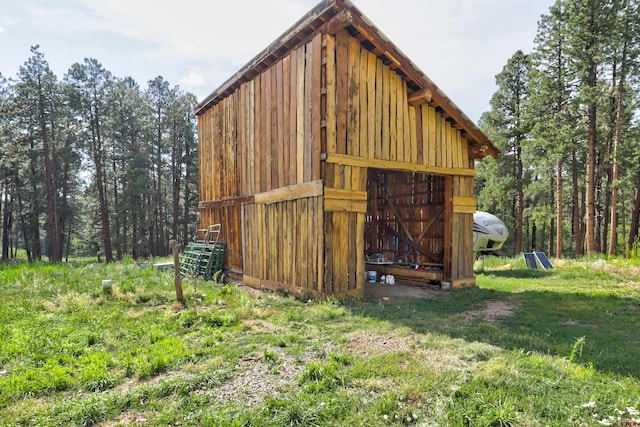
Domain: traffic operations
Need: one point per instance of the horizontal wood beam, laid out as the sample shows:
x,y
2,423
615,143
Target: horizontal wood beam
x,y
464,201
464,210
338,193
262,284
364,162
464,205
292,192
420,98
338,205
223,203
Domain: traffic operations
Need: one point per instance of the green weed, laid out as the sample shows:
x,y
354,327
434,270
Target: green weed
x,y
502,354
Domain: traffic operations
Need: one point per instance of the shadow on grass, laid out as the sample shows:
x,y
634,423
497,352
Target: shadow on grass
x,y
542,321
522,274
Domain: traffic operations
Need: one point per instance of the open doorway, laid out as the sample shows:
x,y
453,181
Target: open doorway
x,y
405,225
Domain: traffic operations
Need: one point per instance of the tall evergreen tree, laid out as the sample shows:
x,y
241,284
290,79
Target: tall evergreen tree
x,y
627,37
159,95
508,127
589,28
36,91
549,106
90,83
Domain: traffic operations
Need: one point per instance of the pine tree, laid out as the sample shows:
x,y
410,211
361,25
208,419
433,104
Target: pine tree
x,y
589,29
549,106
507,125
90,83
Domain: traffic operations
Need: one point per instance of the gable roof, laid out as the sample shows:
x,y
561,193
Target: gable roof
x,y
331,16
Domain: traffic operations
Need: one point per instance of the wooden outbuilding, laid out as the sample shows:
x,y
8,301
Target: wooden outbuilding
x,y
331,148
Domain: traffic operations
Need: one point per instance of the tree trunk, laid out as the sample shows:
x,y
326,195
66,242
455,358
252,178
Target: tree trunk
x,y
102,196
51,190
590,227
613,242
551,244
577,229
187,194
559,215
6,223
534,233
635,216
517,244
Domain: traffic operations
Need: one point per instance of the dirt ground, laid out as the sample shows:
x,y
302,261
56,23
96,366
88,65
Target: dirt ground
x,y
395,293
383,292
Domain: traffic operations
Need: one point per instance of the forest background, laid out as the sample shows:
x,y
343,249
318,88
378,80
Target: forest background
x,y
95,164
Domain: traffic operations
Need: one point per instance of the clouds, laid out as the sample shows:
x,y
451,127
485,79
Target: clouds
x,y
460,44
192,79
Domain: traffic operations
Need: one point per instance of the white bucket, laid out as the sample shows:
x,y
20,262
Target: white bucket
x,y
106,286
372,276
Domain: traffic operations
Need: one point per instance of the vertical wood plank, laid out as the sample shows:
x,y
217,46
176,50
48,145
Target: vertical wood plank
x,y
266,129
359,248
304,243
371,103
293,119
351,248
295,244
459,150
313,244
364,107
319,227
328,253
386,107
300,123
355,178
393,114
308,108
353,103
379,95
341,246
316,115
273,110
332,135
242,139
406,123
286,142
251,162
258,136
266,112
402,149
415,126
448,234
342,88
433,139
465,154
279,122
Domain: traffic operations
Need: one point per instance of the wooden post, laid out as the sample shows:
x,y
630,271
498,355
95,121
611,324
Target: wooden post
x,y
176,269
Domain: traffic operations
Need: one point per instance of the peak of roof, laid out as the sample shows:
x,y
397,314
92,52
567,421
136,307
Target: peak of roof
x,y
331,16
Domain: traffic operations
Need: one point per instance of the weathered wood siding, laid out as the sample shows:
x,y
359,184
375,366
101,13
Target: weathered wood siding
x,y
370,123
263,137
300,216
283,238
464,205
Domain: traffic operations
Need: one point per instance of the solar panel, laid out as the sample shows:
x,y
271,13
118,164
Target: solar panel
x,y
544,261
530,259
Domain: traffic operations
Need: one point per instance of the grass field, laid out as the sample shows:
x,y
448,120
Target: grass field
x,y
524,348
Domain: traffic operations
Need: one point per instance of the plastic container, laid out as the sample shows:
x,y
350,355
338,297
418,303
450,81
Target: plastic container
x,y
372,276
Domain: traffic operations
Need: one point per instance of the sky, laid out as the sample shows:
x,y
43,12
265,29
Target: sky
x,y
198,44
